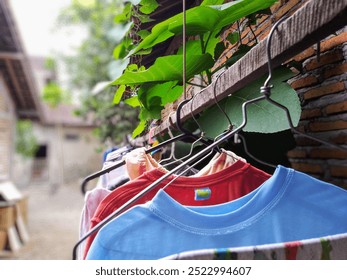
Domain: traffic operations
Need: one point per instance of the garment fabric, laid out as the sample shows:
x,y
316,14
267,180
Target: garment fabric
x,y
288,207
333,247
219,162
118,176
138,162
228,184
92,200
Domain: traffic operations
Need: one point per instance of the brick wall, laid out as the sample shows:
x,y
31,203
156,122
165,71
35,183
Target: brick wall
x,y
321,85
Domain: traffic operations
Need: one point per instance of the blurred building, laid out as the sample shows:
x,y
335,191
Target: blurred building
x,y
67,147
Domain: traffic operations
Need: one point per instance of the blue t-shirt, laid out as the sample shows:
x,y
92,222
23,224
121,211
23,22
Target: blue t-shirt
x,y
290,206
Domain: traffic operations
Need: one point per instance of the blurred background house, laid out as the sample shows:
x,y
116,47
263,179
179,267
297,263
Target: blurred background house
x,y
66,146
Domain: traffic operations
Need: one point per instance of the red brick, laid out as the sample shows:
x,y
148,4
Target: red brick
x,y
301,128
305,54
310,113
308,167
262,19
263,35
338,171
275,7
261,28
324,90
336,108
285,8
328,153
303,141
337,70
333,42
328,126
325,59
245,32
304,82
340,139
296,153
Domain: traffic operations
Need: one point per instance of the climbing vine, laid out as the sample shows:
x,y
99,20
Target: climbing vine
x,y
162,83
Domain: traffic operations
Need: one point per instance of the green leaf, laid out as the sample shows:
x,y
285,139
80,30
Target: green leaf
x,y
233,37
119,51
199,20
133,67
219,49
245,8
124,17
143,33
263,116
211,42
148,6
167,68
211,2
167,93
202,19
133,102
193,47
145,52
144,114
144,18
241,51
118,95
139,129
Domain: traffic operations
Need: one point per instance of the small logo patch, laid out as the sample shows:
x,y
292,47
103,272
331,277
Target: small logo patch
x,y
202,194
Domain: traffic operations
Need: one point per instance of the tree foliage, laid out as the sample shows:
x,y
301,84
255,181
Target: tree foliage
x,y
26,143
93,64
204,24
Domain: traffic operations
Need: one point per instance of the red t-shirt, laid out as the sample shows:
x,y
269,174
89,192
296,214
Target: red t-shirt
x,y
228,184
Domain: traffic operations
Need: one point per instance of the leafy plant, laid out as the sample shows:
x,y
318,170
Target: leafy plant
x,y
263,116
26,143
53,94
162,82
91,68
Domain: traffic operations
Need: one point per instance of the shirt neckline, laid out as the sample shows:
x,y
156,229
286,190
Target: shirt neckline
x,y
250,208
238,167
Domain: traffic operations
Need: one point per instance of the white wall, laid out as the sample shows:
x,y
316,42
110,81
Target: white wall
x,y
69,159
7,126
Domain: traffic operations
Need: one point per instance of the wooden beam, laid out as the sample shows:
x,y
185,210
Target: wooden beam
x,y
28,113
311,23
11,55
16,85
29,77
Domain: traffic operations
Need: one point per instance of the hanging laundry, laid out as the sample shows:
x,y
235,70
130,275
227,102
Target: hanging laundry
x,y
228,184
333,247
92,200
138,162
288,207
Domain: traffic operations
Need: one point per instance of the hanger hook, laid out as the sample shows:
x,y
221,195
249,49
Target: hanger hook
x,y
178,117
266,89
192,115
217,103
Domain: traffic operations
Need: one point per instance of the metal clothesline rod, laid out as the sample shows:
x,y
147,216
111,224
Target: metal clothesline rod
x,y
184,77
